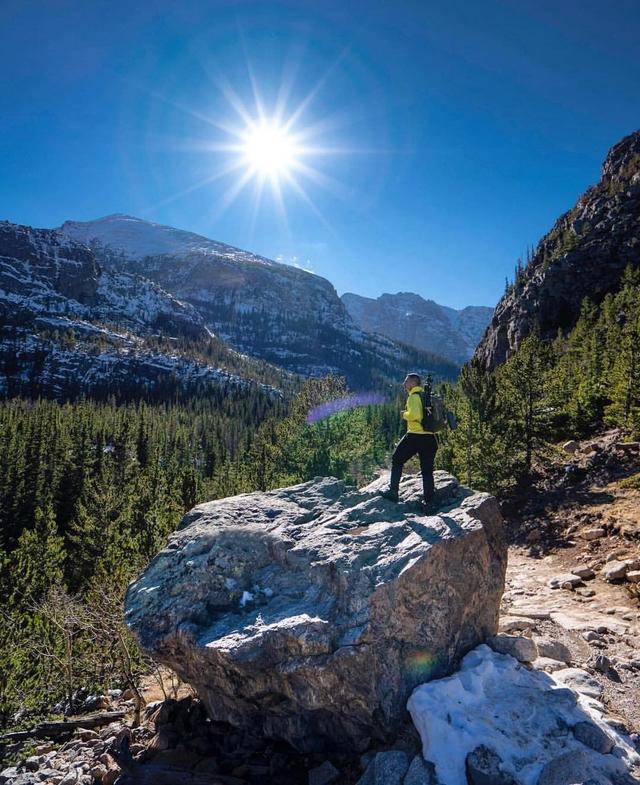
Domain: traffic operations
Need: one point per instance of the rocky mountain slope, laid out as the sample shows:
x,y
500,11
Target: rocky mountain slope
x,y
422,323
279,313
584,255
71,326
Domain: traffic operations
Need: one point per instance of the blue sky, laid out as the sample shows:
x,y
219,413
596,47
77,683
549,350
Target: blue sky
x,y
452,134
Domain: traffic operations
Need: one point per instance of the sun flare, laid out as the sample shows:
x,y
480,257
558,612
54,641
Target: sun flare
x,y
269,151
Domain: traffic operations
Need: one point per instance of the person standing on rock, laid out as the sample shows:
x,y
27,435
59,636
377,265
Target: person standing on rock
x,y
416,441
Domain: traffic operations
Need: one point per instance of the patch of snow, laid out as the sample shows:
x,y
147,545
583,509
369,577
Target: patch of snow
x,y
526,716
246,597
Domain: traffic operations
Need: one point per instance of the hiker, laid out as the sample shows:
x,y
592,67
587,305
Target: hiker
x,y
416,440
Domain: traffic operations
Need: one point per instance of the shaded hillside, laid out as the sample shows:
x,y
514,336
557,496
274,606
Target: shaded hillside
x,y
584,255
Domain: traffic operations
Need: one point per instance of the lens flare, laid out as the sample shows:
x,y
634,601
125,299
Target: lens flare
x,y
324,410
420,665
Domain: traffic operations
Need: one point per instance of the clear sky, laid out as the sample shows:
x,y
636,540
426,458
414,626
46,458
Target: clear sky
x,y
438,139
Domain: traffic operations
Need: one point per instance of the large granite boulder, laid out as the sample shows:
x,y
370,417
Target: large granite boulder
x,y
310,613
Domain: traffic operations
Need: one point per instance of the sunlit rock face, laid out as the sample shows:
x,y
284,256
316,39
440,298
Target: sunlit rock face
x,y
310,613
584,255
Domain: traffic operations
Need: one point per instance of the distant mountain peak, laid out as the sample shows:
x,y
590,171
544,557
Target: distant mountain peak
x,y
410,318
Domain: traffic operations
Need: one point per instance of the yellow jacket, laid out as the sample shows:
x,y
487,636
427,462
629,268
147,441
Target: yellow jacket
x,y
413,411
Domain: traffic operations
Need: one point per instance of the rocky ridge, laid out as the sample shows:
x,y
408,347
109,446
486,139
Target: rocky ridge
x,y
282,314
415,321
70,326
584,255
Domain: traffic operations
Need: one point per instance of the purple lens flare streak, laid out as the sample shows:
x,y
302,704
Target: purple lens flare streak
x,y
328,408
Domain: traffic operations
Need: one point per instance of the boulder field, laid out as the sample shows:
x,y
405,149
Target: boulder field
x,y
310,613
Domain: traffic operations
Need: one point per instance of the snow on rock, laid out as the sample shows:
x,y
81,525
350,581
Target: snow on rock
x,y
529,718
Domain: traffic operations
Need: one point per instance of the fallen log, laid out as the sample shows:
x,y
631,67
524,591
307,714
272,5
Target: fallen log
x,y
55,728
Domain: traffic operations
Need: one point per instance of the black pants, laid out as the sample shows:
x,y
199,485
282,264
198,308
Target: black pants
x,y
425,445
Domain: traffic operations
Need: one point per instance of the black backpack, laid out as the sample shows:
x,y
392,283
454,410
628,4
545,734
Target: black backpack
x,y
435,415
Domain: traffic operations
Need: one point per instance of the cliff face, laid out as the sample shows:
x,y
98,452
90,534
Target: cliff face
x,y
412,320
584,255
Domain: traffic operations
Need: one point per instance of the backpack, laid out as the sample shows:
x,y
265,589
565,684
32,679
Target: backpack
x,y
435,415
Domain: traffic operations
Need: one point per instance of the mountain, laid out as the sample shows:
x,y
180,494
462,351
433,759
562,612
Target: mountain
x,y
266,309
584,255
421,323
70,326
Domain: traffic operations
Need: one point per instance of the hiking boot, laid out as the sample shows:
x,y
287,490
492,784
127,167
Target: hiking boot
x,y
389,495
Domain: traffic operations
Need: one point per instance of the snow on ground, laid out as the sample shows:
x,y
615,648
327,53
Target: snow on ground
x,y
526,716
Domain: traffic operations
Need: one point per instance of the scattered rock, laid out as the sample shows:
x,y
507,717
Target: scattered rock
x,y
572,767
324,774
614,570
571,446
523,649
593,736
633,576
567,579
548,664
593,534
514,623
483,766
586,573
601,663
579,680
390,767
420,772
555,650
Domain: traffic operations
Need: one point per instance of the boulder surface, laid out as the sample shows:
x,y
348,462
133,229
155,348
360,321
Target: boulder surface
x,y
310,613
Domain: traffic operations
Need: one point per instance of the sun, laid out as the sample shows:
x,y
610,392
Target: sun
x,y
269,150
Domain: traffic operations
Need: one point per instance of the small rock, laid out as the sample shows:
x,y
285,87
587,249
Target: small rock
x,y
586,592
632,564
564,580
601,663
593,534
484,767
572,767
523,649
50,776
514,623
590,635
548,664
593,736
86,734
324,774
32,763
6,775
163,740
555,650
99,772
633,576
614,570
580,681
534,536
390,767
420,772
571,446
586,573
